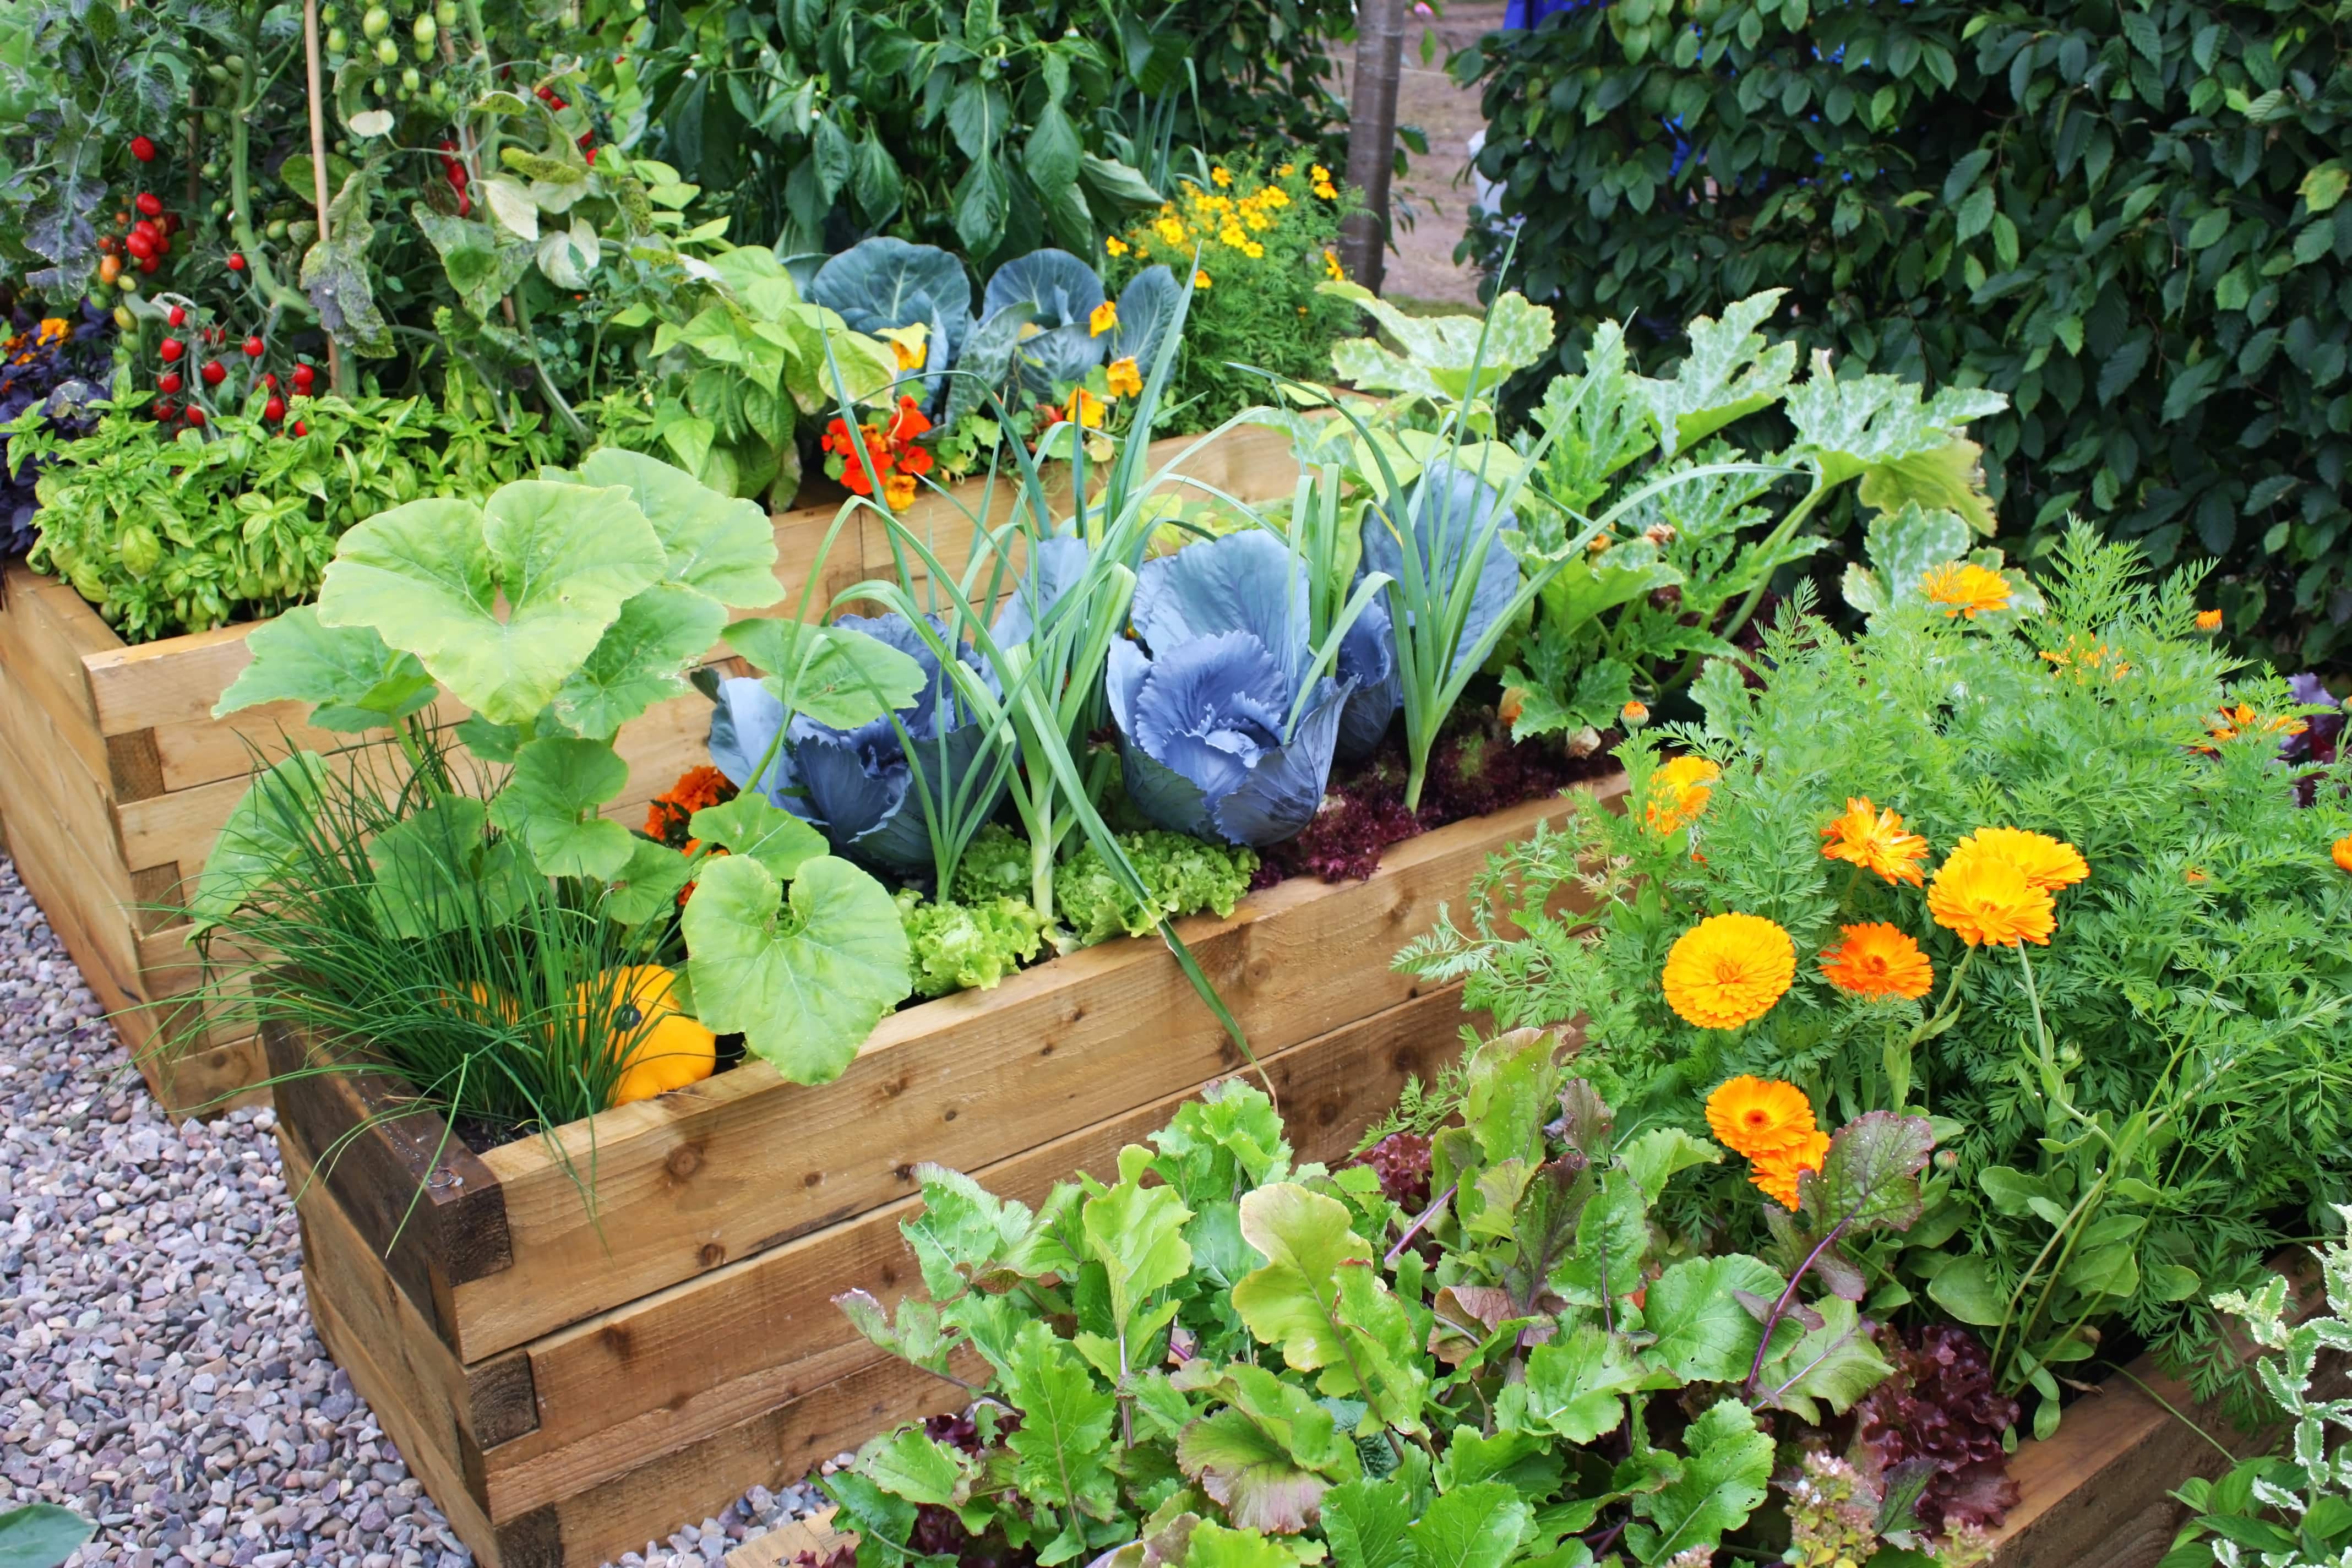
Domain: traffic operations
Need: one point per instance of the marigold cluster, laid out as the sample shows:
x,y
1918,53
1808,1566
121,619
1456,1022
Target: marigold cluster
x,y
2242,720
898,460
1878,959
1964,588
669,813
1995,888
1233,220
1770,1124
1874,840
1678,792
1728,970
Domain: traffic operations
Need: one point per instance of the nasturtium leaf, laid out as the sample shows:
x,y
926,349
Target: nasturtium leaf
x,y
1477,1526
1731,372
437,870
264,838
429,576
1365,1523
1727,1461
910,1464
836,675
640,660
1703,1333
1575,1387
1294,1302
1136,1234
750,824
551,801
722,547
353,680
648,885
804,982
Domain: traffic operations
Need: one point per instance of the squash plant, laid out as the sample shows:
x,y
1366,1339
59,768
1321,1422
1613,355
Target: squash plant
x,y
1224,1357
557,610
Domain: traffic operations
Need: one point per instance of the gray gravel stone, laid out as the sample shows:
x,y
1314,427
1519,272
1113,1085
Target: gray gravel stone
x,y
161,1374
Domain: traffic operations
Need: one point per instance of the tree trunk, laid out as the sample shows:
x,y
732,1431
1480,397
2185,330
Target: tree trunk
x,y
1371,137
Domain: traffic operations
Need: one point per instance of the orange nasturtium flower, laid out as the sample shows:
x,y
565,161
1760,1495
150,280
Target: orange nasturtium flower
x,y
2048,863
1102,319
1775,1175
1878,959
2209,620
1086,409
1123,378
1964,588
899,491
2341,853
1678,792
1728,970
1986,901
1874,840
1757,1116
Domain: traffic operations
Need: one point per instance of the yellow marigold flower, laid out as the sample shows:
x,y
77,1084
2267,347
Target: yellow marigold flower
x,y
1964,588
1103,317
1170,230
1126,380
1287,171
1635,713
1115,246
1986,901
1728,970
1086,410
1232,237
1259,221
1253,250
2209,620
1878,959
1328,192
1318,172
1200,279
2341,851
1678,792
1757,1116
1775,1175
1874,840
2048,863
898,490
1331,265
2242,720
1224,176
1275,195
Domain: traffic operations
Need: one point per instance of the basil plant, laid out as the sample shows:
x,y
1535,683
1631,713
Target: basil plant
x,y
557,610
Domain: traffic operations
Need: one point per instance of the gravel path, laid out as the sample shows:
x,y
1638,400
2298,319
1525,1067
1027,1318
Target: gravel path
x,y
162,1375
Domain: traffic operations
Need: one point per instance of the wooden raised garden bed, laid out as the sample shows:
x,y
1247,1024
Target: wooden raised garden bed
x,y
570,1385
115,778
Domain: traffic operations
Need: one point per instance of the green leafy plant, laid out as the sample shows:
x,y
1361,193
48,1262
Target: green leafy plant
x,y
2101,1100
557,610
170,536
2293,1510
1226,1354
2129,220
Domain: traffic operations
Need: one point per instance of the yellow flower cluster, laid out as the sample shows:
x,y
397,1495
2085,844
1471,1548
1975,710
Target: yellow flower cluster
x,y
1221,215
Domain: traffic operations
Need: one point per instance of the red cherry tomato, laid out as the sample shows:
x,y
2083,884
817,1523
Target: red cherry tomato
x,y
149,203
301,428
173,348
168,381
303,376
235,261
270,380
141,246
149,264
215,373
171,222
147,228
196,417
274,410
164,410
142,149
254,346
177,316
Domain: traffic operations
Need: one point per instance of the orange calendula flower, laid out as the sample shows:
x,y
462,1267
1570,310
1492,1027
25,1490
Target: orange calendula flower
x,y
1986,901
1878,959
1964,588
2193,874
1125,380
1679,793
2341,853
1332,267
2048,863
1102,319
1634,714
1753,1117
1874,840
1728,970
1775,1175
2209,620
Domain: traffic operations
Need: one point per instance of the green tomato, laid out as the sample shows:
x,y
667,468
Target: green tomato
x,y
376,23
375,85
276,229
338,42
234,62
446,13
440,90
387,51
220,209
409,81
216,71
329,12
423,30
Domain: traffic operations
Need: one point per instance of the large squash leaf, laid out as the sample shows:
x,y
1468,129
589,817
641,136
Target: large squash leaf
x,y
430,576
354,680
838,675
551,805
721,546
804,982
641,659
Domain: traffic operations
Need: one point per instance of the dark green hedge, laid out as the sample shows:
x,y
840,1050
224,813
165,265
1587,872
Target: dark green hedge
x,y
2129,217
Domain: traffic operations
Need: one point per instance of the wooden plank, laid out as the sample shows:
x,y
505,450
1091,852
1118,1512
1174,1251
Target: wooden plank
x,y
41,646
73,890
743,1160
47,783
723,1346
